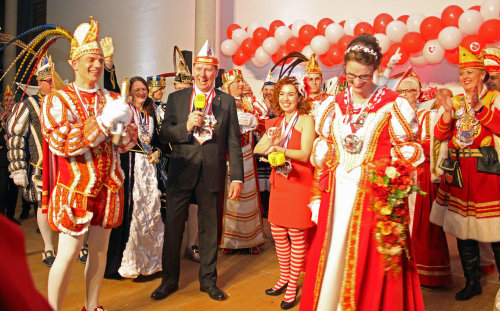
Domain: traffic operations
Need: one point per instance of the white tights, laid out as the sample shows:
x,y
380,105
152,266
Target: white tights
x,y
46,232
60,273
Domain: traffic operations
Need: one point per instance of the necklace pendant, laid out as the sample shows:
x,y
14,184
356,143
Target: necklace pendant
x,y
353,144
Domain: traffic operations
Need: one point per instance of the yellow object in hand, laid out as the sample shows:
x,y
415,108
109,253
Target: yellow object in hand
x,y
276,158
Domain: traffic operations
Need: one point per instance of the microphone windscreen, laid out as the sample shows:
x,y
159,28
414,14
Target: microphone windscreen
x,y
200,101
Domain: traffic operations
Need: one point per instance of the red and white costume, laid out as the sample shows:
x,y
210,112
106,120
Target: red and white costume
x,y
345,269
88,186
428,240
471,212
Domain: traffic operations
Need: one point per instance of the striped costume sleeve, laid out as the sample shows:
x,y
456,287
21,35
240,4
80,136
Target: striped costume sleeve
x,y
490,118
403,131
64,132
260,109
18,129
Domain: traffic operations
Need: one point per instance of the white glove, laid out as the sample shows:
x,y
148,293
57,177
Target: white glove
x,y
314,207
394,59
115,111
20,178
247,120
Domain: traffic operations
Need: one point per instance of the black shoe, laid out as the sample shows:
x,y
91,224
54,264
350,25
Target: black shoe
x,y
163,291
471,289
276,292
48,258
84,252
214,292
287,305
193,253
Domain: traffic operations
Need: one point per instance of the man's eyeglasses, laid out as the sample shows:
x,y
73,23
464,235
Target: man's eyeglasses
x,y
49,81
351,77
407,91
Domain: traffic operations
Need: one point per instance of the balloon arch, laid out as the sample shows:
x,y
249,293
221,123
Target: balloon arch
x,y
422,40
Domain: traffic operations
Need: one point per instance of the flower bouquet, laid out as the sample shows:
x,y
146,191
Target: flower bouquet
x,y
390,186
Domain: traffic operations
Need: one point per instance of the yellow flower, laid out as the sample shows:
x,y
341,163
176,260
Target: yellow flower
x,y
385,227
386,210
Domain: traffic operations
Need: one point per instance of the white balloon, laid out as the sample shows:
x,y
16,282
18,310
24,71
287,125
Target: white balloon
x,y
350,24
261,55
490,9
433,52
256,63
414,21
383,42
251,28
320,44
470,21
450,37
270,45
334,32
307,51
418,59
228,47
282,34
239,35
396,30
296,27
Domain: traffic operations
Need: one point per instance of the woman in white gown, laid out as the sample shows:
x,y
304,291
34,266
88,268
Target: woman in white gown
x,y
144,247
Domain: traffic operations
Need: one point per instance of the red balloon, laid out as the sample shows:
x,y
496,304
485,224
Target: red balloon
x,y
294,45
240,58
473,43
363,27
248,47
452,56
259,35
430,27
306,33
230,30
380,22
451,15
342,23
325,60
476,7
344,42
280,54
412,42
335,54
274,25
489,30
290,26
392,49
322,24
403,18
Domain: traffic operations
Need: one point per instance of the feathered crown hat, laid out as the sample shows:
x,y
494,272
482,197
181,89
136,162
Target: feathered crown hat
x,y
85,40
45,68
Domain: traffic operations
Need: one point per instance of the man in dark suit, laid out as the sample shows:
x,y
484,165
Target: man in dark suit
x,y
200,141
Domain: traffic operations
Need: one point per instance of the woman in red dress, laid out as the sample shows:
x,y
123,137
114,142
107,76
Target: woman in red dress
x,y
470,126
292,134
364,124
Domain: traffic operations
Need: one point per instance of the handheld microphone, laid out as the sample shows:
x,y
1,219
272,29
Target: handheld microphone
x,y
116,137
200,101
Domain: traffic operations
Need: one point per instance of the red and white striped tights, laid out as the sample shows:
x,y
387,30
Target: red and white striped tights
x,y
291,250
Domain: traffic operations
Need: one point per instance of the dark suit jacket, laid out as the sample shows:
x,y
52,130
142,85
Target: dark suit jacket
x,y
188,156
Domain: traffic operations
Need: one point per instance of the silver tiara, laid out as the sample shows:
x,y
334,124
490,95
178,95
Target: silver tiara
x,y
358,47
